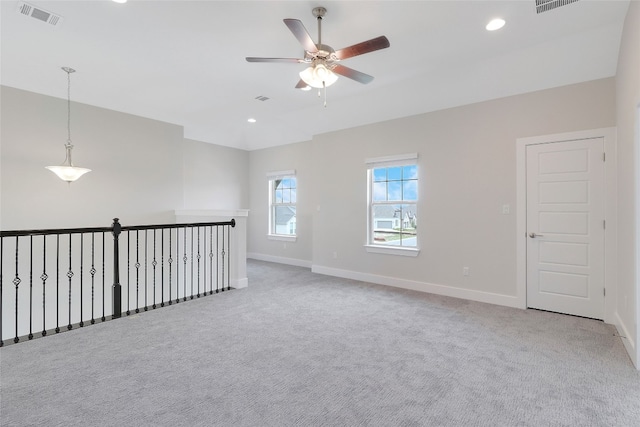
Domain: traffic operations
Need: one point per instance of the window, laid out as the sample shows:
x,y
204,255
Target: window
x,y
282,205
393,204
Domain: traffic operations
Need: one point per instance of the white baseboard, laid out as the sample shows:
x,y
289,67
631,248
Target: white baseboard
x,y
491,298
627,339
279,260
240,283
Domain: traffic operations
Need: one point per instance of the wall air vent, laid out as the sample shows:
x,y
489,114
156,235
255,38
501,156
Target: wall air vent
x,y
29,10
261,98
546,5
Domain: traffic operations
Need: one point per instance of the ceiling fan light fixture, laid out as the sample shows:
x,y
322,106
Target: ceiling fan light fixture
x,y
318,76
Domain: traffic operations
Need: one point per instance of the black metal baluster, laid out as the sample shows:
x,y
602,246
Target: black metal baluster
x,y
211,258
191,262
93,275
1,294
137,271
57,283
198,262
217,259
30,287
146,270
204,262
223,254
69,275
81,279
162,267
177,265
170,261
44,278
103,273
154,263
184,259
229,255
16,282
128,271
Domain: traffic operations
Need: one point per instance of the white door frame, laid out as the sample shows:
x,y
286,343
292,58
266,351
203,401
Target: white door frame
x,y
610,211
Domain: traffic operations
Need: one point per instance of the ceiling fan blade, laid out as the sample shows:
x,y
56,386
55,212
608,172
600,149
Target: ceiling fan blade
x,y
301,33
301,84
254,59
352,74
364,47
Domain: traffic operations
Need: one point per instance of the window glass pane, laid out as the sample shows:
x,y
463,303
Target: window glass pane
x,y
395,190
379,191
410,172
286,183
284,220
286,196
293,183
395,225
277,183
394,174
278,198
380,174
410,190
409,225
386,224
293,195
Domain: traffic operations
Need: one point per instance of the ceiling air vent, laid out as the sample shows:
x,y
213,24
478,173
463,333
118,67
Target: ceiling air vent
x,y
546,5
28,10
261,98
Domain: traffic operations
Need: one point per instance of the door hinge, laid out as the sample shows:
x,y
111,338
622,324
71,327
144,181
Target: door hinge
x,y
604,292
604,157
604,224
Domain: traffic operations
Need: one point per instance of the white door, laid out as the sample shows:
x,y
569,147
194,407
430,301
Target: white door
x,y
565,227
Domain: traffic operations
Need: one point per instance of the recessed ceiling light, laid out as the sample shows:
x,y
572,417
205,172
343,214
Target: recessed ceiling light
x,y
120,1
251,120
495,24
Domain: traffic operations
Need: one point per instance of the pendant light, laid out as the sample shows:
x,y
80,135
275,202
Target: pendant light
x,y
66,171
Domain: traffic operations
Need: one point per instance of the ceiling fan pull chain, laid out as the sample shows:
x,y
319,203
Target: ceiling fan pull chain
x,y
325,94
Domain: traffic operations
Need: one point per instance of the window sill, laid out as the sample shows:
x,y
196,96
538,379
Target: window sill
x,y
387,250
282,237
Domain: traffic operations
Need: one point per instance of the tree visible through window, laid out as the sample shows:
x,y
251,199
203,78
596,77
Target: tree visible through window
x,y
393,205
283,196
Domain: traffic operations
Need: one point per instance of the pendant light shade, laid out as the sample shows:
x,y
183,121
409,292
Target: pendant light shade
x,y
66,171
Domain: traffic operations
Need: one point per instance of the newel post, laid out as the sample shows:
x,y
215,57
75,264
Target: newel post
x,y
116,293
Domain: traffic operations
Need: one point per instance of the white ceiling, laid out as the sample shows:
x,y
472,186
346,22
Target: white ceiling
x,y
183,62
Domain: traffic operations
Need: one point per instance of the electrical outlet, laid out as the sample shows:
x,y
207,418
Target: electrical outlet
x,y
465,271
506,209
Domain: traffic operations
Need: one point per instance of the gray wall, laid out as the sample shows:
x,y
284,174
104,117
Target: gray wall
x,y
143,169
467,172
628,126
215,177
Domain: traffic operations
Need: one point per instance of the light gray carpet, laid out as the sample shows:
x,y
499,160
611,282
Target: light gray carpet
x,y
296,348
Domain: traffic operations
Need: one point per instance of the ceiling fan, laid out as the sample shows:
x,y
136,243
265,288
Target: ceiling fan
x,y
322,59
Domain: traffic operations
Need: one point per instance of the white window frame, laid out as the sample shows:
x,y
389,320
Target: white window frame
x,y
383,162
271,234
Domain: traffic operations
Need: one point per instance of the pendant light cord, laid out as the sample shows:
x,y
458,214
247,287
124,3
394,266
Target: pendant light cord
x,y
68,106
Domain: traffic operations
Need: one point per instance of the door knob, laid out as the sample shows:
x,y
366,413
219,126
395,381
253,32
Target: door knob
x,y
534,235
